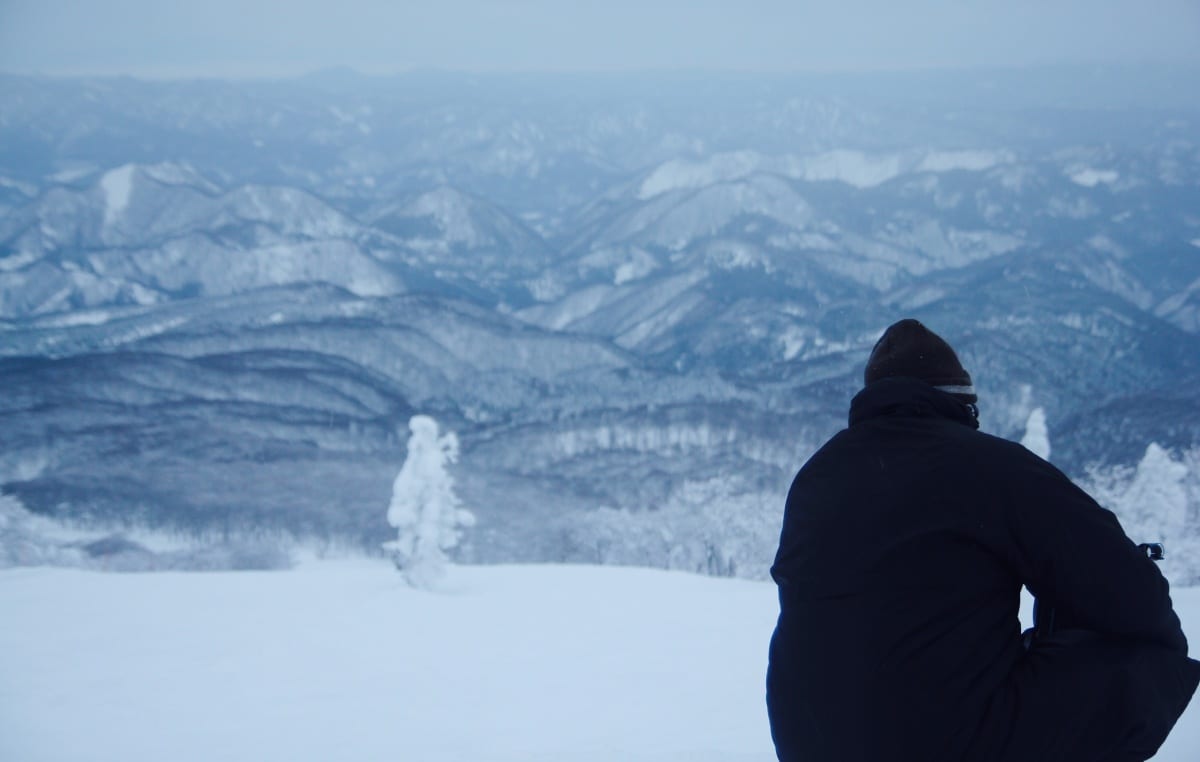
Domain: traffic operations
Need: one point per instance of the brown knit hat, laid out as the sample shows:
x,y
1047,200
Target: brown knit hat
x,y
909,349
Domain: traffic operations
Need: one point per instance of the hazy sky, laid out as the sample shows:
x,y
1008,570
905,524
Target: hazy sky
x,y
278,37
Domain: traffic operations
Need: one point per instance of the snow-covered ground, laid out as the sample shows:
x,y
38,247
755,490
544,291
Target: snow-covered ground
x,y
340,660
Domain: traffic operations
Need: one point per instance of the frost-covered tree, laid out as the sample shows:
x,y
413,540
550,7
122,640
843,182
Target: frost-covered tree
x,y
27,539
712,527
1037,437
427,514
1154,504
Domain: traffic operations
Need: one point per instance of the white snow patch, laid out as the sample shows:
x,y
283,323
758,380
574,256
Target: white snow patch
x,y
918,297
79,317
657,322
1014,177
624,273
682,174
974,245
1183,308
793,339
1037,437
801,241
1101,242
849,166
853,168
24,188
819,346
71,174
625,264
1071,208
451,212
639,266
546,288
18,260
578,305
117,186
139,332
1090,178
736,256
168,173
971,161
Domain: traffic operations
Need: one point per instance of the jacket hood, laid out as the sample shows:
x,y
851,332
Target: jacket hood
x,y
909,398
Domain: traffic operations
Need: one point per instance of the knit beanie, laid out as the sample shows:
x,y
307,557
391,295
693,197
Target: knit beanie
x,y
909,349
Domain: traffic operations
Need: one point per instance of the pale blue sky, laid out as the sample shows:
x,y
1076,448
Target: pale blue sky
x,y
164,38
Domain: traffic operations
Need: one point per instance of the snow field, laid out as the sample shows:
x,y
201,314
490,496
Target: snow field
x,y
341,660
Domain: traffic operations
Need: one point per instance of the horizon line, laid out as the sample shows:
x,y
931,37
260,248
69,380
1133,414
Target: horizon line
x,y
367,73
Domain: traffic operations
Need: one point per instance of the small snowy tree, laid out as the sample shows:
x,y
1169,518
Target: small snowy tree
x,y
1156,503
426,513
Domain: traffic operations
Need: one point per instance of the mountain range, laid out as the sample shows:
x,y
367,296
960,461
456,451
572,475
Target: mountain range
x,y
220,302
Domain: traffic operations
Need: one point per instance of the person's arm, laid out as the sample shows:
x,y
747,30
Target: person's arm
x,y
1073,555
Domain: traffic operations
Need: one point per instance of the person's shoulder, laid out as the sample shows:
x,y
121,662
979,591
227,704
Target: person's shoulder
x,y
1004,458
826,451
999,444
978,443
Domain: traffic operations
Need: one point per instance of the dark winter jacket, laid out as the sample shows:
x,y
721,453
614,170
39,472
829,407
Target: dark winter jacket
x,y
905,543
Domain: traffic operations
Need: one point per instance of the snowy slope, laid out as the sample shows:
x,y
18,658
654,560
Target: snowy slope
x,y
341,661
149,234
338,660
465,239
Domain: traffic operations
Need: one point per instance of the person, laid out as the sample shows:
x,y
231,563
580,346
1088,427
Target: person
x,y
906,540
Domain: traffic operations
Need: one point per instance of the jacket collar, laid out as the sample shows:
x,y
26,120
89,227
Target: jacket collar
x,y
909,398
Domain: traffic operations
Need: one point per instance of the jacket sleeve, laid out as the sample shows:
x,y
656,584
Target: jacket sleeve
x,y
1074,555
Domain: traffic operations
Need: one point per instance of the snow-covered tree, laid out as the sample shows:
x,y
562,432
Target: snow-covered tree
x,y
1037,438
1154,505
425,511
712,527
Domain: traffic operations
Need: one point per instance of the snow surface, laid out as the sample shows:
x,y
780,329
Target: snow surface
x,y
682,174
117,186
453,215
852,167
72,174
17,260
969,161
1090,178
341,660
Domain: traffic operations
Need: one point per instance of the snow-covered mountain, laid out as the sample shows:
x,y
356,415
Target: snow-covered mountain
x,y
150,234
631,298
464,240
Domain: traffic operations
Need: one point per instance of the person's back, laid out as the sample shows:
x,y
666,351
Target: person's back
x,y
906,541
889,591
